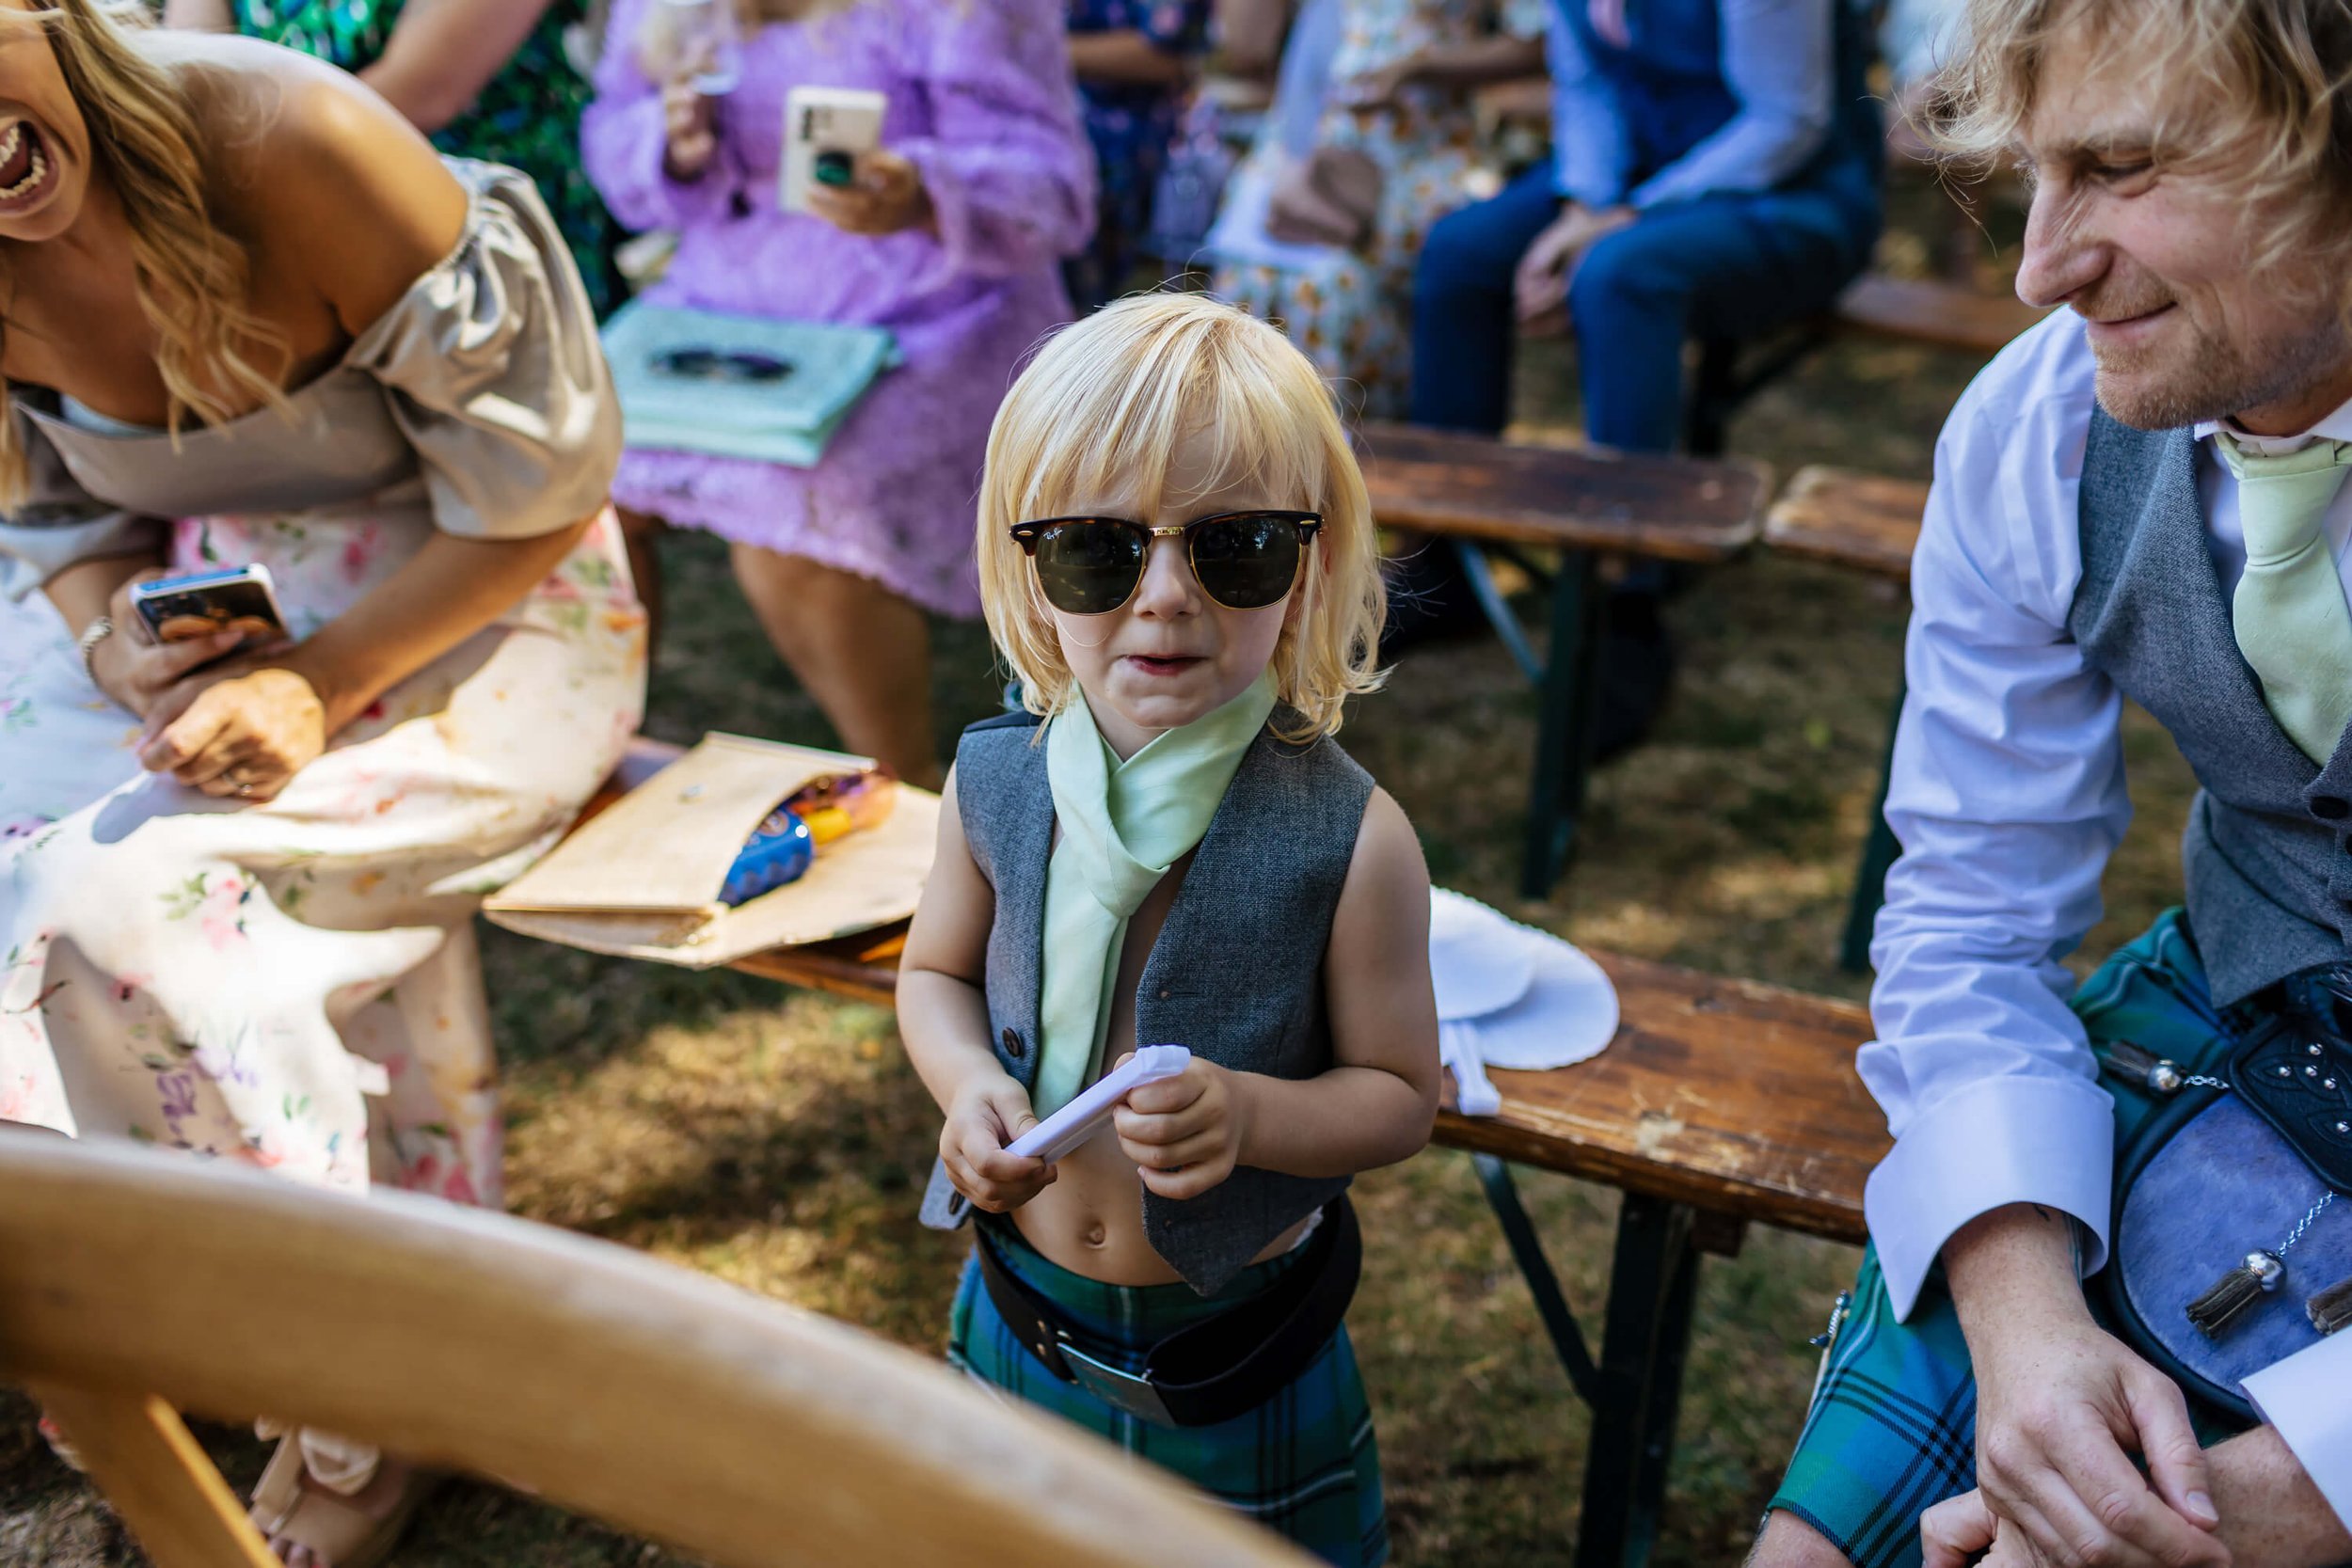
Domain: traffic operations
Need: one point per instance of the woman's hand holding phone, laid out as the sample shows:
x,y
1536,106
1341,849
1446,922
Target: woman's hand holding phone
x,y
135,670
886,196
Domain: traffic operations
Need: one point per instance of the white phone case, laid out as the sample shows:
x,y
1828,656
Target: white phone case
x,y
1078,1121
825,119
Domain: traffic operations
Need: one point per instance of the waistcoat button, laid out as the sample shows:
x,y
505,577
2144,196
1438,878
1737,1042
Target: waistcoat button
x,y
1012,1044
2332,807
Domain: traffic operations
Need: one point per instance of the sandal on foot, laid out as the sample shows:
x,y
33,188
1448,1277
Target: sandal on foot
x,y
340,1532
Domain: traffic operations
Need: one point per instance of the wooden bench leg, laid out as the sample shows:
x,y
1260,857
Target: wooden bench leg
x,y
1880,851
1564,735
141,1456
1651,1287
1635,1393
1527,1250
1481,579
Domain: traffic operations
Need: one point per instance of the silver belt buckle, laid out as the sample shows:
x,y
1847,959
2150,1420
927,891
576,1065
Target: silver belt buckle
x,y
1133,1394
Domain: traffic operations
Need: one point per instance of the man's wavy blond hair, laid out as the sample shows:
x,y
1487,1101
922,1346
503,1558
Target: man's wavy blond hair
x,y
1100,412
2259,89
192,278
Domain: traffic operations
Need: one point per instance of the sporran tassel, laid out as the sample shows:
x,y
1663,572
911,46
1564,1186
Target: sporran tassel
x,y
2331,1309
2236,1291
2142,1069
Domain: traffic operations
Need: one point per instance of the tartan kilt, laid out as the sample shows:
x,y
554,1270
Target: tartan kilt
x,y
1892,1431
1303,1464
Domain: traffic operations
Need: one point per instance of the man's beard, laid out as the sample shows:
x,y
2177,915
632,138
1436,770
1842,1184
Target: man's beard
x,y
2207,378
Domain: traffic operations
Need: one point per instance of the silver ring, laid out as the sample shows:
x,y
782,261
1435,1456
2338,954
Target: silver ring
x,y
244,790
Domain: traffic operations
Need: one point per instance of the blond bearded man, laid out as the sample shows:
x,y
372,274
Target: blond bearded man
x,y
2140,497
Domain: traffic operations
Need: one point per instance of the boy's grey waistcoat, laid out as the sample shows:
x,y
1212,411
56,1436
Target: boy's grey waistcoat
x,y
2269,849
1237,974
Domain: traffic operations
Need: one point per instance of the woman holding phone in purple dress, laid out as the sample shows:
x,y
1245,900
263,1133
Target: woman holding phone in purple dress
x,y
948,236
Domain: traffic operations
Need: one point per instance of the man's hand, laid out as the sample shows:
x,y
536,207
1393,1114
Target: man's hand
x,y
886,196
2272,1515
1962,1530
1184,1133
2062,1405
1541,284
986,1115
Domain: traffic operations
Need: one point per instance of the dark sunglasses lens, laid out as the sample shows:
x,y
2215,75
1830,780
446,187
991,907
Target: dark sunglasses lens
x,y
1088,568
1246,563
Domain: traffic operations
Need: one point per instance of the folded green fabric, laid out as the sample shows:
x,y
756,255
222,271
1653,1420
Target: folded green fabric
x,y
786,419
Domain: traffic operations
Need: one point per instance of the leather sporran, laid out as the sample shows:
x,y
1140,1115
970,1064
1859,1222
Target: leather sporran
x,y
2231,1242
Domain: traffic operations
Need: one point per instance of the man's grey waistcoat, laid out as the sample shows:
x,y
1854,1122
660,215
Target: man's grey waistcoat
x,y
1236,975
2269,849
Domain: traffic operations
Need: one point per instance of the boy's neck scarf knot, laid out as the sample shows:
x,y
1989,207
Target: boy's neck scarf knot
x,y
1122,825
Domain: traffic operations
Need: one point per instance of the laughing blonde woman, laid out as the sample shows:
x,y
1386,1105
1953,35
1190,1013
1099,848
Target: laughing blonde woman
x,y
252,318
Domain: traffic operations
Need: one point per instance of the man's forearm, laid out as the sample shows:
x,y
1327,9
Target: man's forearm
x,y
2016,1262
2272,1515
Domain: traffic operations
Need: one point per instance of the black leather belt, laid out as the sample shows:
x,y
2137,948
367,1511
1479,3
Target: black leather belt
x,y
1214,1370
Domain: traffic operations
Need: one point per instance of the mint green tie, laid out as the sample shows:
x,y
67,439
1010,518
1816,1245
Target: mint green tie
x,y
1122,825
2289,614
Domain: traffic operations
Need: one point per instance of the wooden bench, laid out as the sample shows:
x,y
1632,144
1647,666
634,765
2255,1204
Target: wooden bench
x,y
1937,313
1584,502
1933,314
1720,1103
1872,524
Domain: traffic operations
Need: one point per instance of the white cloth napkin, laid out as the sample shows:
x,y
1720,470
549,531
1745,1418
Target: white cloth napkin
x,y
1510,997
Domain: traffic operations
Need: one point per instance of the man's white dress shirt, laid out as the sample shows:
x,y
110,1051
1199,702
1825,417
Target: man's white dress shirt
x,y
2008,794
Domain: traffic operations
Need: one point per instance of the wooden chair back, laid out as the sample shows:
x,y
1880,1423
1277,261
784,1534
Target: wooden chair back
x,y
660,1400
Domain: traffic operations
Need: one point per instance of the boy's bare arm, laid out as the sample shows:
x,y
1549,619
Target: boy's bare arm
x,y
1376,1104
942,1018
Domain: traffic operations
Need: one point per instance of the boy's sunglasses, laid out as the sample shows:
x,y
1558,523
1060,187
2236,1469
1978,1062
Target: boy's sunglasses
x,y
1093,565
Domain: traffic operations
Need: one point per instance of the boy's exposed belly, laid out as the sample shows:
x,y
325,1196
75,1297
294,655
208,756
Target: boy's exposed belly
x,y
1091,1220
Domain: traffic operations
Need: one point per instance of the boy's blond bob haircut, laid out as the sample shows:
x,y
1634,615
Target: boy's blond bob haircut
x,y
1098,415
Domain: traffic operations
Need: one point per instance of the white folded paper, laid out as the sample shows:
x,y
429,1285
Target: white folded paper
x,y
1078,1121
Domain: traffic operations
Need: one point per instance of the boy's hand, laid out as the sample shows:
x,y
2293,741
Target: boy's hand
x,y
981,1120
1184,1133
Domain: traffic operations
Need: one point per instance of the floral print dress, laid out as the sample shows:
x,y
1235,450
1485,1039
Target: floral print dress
x,y
1351,310
526,117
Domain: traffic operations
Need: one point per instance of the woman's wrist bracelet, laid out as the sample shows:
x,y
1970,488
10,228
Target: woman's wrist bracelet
x,y
92,635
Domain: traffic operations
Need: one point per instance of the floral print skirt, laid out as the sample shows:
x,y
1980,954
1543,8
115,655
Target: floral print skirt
x,y
294,984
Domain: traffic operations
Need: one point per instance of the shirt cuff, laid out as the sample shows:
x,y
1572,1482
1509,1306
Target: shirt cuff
x,y
2003,1140
2308,1396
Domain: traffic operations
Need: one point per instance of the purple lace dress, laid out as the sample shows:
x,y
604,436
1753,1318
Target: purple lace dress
x,y
981,102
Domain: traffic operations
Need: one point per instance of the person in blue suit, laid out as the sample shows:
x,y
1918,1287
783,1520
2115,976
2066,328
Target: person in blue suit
x,y
1715,172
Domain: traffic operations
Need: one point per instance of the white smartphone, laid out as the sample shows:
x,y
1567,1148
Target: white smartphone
x,y
824,129
240,599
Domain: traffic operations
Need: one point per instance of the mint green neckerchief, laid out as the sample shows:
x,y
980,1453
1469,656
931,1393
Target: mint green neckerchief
x,y
1122,825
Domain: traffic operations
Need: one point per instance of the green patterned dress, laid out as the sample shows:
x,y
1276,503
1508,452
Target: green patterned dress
x,y
528,118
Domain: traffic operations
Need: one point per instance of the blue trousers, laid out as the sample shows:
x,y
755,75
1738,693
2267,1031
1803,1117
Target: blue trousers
x,y
1729,265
